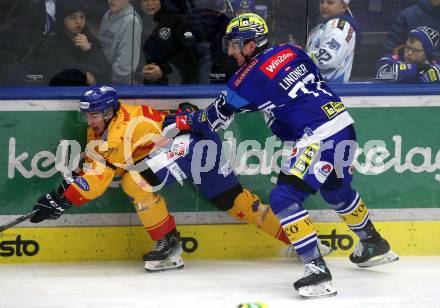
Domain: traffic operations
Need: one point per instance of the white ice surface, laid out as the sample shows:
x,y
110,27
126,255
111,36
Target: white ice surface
x,y
410,282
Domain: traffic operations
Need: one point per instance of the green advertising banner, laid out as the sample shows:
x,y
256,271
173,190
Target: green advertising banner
x,y
397,167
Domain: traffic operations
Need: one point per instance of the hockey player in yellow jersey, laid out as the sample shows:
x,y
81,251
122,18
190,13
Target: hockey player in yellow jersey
x,y
126,140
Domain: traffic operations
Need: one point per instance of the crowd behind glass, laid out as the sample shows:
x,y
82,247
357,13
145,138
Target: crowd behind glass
x,y
163,42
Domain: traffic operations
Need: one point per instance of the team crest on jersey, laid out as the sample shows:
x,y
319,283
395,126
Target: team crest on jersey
x,y
274,64
165,33
331,109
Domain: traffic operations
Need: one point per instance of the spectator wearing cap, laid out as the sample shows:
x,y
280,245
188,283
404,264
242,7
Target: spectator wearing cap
x,y
243,6
120,38
170,52
414,62
424,12
72,48
331,44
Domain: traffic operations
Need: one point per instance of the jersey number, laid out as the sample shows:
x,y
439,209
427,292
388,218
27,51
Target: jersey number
x,y
302,86
323,56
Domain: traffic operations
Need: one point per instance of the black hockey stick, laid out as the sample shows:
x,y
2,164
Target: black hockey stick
x,y
17,221
230,8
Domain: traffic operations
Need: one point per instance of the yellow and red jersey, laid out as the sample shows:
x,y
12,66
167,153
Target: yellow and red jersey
x,y
129,137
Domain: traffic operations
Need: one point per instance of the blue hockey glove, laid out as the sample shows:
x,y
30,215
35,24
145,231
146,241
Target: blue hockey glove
x,y
50,206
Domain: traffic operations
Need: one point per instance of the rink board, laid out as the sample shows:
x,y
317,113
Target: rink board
x,y
403,125
216,242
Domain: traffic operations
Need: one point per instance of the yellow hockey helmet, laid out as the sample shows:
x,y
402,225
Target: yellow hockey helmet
x,y
244,28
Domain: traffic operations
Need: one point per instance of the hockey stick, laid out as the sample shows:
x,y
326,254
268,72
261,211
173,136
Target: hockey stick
x,y
230,8
17,221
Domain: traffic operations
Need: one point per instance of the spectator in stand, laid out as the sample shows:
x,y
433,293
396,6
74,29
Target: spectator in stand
x,y
171,48
21,30
120,37
72,49
331,44
288,19
414,62
425,12
224,66
243,6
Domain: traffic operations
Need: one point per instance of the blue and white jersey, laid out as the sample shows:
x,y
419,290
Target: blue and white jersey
x,y
331,45
286,86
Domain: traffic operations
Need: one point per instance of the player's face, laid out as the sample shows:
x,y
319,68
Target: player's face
x,y
435,2
75,23
332,8
117,5
95,120
240,53
151,7
414,52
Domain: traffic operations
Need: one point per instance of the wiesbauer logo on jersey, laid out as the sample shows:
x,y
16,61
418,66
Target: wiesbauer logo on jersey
x,y
273,65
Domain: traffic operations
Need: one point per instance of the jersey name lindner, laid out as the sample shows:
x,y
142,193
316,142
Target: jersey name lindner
x,y
286,85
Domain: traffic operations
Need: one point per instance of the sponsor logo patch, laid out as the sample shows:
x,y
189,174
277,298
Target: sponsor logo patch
x,y
165,33
349,34
322,170
300,166
432,75
19,247
333,108
273,65
243,73
341,24
81,182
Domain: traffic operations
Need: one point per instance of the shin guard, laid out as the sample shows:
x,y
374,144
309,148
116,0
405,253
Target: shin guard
x,y
355,215
299,229
154,215
248,207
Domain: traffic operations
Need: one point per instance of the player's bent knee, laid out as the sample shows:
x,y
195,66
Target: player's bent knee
x,y
285,195
225,200
339,196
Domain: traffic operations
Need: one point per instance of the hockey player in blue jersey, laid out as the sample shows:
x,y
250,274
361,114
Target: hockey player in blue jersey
x,y
286,86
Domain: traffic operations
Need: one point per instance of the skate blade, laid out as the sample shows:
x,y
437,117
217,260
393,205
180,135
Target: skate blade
x,y
388,257
323,289
171,263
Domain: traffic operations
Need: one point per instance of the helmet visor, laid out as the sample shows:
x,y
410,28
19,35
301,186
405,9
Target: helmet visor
x,y
233,44
81,117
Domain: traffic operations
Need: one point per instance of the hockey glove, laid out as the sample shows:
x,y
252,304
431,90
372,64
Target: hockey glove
x,y
184,121
50,206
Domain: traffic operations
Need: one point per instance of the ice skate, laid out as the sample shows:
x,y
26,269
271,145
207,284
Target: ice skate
x,y
317,280
166,255
372,252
